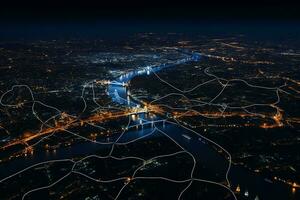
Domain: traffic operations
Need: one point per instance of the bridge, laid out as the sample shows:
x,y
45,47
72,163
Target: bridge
x,y
108,82
123,84
147,123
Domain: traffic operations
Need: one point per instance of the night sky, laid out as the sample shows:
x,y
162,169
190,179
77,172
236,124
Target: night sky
x,y
146,9
113,18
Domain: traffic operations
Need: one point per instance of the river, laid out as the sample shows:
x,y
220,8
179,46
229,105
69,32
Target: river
x,y
201,150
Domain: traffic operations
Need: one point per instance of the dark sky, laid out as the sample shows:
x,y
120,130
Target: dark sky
x,y
28,19
146,9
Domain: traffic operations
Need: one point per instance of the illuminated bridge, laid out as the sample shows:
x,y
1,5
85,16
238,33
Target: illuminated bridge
x,y
123,84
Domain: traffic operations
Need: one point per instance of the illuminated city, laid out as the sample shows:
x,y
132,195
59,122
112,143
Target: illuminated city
x,y
179,111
